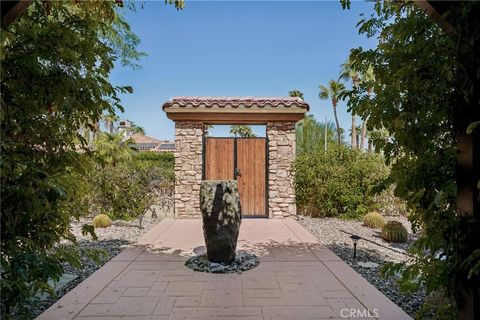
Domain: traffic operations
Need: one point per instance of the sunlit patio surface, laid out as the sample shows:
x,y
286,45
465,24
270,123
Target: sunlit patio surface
x,y
297,278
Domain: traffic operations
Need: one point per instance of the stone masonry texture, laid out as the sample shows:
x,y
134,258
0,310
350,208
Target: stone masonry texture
x,y
188,169
281,154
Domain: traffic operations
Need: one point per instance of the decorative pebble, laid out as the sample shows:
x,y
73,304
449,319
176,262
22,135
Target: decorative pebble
x,y
335,234
243,261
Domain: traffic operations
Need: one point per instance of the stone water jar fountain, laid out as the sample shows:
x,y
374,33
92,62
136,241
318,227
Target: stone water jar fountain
x,y
221,213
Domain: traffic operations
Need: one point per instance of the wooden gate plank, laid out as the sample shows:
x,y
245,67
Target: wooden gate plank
x,y
251,157
219,164
251,162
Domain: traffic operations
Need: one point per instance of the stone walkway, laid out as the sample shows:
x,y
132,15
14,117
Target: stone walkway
x,y
297,279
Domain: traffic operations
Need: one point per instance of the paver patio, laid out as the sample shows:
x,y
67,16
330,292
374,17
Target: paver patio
x,y
297,278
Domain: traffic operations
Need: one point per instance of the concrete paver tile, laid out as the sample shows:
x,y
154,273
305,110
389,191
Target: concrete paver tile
x,y
188,302
142,318
336,294
109,295
136,292
259,281
157,289
184,289
136,278
220,297
97,318
241,312
96,310
296,313
134,306
263,297
164,306
224,283
200,313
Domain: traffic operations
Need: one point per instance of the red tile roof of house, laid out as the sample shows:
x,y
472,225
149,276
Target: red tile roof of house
x,y
235,102
140,138
147,143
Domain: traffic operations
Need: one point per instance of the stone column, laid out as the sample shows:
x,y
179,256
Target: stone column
x,y
188,169
281,154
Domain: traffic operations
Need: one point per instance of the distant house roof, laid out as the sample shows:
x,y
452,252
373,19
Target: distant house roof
x,y
140,138
167,146
230,110
146,143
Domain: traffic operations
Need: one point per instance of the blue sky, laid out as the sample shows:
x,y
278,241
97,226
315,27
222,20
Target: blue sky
x,y
237,48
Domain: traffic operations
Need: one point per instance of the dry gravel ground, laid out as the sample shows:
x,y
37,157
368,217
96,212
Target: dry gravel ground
x,y
335,234
111,240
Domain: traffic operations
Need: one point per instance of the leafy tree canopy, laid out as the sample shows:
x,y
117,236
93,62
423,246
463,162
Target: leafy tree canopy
x,y
56,60
415,66
243,131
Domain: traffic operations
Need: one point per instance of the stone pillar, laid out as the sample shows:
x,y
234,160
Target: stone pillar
x,y
281,154
188,169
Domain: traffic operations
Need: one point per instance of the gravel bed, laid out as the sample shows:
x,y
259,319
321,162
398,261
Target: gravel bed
x,y
111,240
335,234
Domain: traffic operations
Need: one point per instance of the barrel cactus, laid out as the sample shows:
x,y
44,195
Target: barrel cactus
x,y
373,220
394,231
101,221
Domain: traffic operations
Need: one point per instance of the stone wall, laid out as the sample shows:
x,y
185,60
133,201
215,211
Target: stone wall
x,y
281,143
188,169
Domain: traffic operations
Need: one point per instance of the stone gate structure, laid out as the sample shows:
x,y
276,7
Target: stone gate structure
x,y
191,114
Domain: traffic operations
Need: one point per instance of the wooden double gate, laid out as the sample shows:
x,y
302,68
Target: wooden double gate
x,y
242,159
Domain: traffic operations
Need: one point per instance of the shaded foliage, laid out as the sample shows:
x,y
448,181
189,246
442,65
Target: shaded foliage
x,y
414,94
125,190
55,65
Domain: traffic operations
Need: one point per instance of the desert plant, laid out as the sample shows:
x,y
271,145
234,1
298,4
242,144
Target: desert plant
x,y
373,220
101,221
394,231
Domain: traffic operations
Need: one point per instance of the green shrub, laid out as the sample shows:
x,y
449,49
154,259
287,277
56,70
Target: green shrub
x,y
337,183
127,189
101,221
373,220
394,231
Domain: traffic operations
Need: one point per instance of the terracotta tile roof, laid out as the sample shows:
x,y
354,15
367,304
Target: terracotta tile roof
x,y
140,138
236,102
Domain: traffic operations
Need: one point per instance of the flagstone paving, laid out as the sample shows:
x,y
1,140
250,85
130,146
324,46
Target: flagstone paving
x,y
297,278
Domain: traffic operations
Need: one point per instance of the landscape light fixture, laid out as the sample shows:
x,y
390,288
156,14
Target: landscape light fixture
x,y
355,239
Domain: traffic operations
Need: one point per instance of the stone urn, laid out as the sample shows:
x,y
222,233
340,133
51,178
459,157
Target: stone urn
x,y
221,213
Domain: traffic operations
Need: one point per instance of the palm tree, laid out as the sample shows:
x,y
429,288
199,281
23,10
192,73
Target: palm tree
x,y
348,72
367,78
206,129
310,134
110,119
113,149
304,124
333,91
135,128
296,93
243,131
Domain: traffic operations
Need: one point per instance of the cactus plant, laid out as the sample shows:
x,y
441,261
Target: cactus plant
x,y
394,231
101,221
373,220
